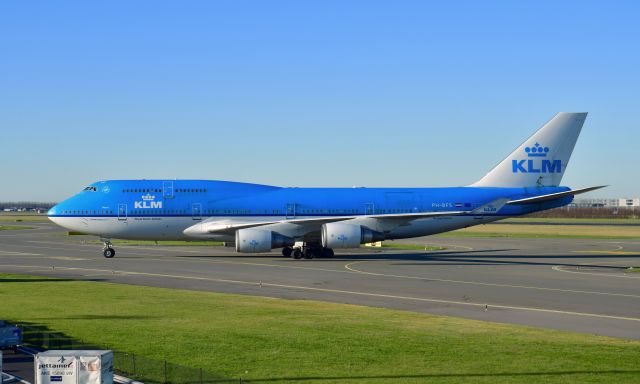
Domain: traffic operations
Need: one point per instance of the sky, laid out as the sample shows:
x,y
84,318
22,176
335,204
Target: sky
x,y
310,93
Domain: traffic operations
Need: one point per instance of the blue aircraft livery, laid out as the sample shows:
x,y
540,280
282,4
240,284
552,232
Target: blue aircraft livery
x,y
312,222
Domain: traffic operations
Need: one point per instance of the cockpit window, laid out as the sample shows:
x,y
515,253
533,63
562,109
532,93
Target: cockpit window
x,y
92,189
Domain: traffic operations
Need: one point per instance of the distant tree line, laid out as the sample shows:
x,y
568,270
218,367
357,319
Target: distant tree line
x,y
29,205
590,213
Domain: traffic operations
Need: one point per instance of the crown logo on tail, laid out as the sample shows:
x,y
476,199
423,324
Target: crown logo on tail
x,y
537,151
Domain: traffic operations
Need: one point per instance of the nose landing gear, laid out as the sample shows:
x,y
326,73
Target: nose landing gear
x,y
107,250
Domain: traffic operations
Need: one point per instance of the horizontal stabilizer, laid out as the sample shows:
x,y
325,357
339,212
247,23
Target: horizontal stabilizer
x,y
553,196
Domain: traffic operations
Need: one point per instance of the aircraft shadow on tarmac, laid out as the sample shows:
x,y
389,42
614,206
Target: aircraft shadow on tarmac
x,y
534,260
452,258
380,255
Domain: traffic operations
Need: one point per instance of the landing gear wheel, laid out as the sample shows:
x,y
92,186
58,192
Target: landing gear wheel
x,y
308,253
297,254
327,252
109,252
286,251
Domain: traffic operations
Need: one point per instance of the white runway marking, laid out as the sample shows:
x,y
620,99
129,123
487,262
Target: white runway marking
x,y
98,252
348,266
559,269
10,253
97,246
354,293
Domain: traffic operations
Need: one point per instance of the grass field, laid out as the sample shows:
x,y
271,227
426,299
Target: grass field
x,y
413,247
27,216
276,340
13,227
548,231
570,220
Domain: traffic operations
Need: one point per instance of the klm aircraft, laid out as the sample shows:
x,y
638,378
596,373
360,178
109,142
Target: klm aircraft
x,y
312,222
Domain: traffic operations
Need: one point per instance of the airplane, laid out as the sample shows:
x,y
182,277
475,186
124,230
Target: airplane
x,y
313,222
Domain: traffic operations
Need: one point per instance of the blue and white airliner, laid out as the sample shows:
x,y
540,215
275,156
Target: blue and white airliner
x,y
312,222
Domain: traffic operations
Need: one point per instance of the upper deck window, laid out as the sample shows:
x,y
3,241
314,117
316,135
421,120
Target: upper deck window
x,y
92,189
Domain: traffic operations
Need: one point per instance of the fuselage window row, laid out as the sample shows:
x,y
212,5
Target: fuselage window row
x,y
243,211
177,190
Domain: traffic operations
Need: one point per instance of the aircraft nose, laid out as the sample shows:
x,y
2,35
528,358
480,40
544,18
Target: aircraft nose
x,y
52,211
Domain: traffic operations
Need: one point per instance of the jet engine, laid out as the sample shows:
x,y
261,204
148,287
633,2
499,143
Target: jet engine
x,y
343,235
259,240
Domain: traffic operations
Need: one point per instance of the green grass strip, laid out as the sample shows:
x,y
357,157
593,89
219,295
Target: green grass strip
x,y
13,227
283,341
413,247
570,220
517,235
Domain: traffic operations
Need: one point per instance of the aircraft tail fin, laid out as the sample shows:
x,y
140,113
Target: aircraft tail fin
x,y
542,159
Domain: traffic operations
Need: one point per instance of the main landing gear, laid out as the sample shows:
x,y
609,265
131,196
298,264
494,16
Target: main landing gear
x,y
107,250
307,252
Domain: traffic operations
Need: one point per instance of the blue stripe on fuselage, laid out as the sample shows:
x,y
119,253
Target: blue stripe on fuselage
x,y
152,198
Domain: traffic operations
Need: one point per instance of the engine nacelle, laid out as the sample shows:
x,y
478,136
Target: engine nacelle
x,y
343,235
259,240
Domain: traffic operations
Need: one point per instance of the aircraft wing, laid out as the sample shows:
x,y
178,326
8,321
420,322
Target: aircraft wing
x,y
217,227
229,227
553,196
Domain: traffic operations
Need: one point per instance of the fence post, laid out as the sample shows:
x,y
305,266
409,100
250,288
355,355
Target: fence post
x,y
133,359
200,375
165,372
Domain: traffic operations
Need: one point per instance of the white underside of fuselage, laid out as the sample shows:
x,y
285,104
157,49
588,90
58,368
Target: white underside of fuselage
x,y
171,228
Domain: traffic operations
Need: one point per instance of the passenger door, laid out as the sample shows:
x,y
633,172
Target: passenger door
x,y
167,189
196,211
122,212
290,211
369,208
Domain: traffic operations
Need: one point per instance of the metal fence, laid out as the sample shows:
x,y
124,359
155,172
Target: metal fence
x,y
133,366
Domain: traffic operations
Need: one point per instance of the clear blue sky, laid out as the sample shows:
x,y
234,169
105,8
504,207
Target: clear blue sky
x,y
310,93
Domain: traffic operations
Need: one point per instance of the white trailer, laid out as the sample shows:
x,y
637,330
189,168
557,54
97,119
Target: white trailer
x,y
74,367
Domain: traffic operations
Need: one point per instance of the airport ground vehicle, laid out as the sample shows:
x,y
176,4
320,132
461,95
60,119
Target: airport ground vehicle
x,y
10,336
